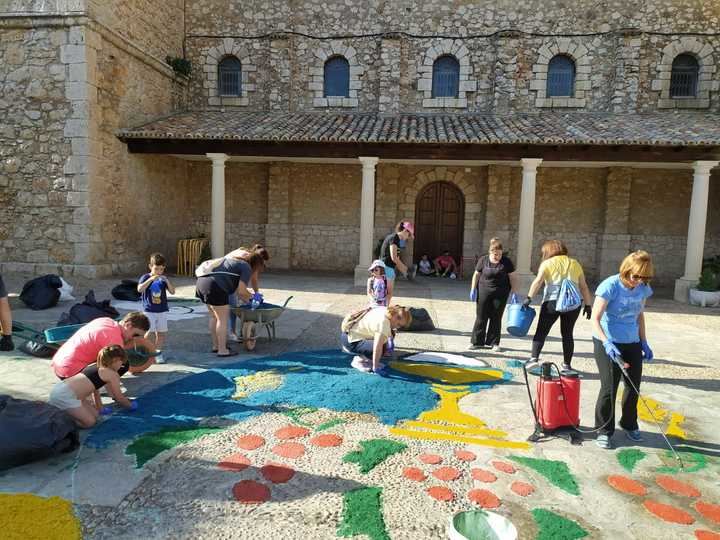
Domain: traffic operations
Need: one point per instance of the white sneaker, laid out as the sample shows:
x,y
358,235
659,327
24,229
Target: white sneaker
x,y
361,364
453,276
159,359
497,348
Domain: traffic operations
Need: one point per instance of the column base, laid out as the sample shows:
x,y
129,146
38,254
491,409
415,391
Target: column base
x,y
682,289
361,275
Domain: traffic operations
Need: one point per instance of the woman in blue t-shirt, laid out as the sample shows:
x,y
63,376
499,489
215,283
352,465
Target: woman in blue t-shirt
x,y
619,338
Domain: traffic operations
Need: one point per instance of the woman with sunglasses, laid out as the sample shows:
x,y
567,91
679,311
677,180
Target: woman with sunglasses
x,y
619,338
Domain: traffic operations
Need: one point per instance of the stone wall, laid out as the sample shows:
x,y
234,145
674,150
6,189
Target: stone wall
x,y
35,110
136,204
623,71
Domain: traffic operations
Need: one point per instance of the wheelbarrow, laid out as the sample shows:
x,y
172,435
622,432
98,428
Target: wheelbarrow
x,y
264,315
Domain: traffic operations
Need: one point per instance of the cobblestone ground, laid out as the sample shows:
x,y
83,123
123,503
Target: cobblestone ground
x,y
285,468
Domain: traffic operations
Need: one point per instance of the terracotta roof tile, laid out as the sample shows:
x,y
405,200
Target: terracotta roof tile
x,y
660,128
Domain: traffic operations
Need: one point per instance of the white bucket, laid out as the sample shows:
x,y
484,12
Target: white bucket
x,y
481,525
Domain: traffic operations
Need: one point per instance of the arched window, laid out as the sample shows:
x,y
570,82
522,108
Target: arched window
x,y
561,76
336,77
684,77
446,77
230,77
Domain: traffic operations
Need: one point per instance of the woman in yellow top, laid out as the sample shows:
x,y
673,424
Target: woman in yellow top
x,y
555,267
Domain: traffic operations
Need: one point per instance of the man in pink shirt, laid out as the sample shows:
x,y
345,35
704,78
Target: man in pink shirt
x,y
445,265
83,347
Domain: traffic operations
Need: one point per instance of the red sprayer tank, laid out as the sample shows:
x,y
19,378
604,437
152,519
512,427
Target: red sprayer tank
x,y
558,401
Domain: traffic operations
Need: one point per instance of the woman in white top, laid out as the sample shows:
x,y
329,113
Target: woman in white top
x,y
556,267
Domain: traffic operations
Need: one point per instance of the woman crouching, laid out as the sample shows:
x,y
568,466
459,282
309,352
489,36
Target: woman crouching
x,y
619,339
365,333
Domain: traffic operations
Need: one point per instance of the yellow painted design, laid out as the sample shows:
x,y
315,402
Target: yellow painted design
x,y
661,414
674,426
449,374
246,385
24,516
448,423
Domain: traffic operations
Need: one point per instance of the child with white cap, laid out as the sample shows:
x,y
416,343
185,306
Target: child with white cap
x,y
377,284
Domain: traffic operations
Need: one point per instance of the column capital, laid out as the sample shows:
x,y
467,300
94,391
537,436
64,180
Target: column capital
x,y
703,167
530,164
218,158
368,161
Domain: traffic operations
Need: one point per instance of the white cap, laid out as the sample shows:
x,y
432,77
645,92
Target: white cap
x,y
377,263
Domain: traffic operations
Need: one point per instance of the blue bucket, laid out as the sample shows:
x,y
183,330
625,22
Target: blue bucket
x,y
519,319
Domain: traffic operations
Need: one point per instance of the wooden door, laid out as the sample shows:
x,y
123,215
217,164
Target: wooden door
x,y
439,217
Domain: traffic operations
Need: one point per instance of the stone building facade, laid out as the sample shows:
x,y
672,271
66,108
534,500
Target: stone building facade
x,y
78,198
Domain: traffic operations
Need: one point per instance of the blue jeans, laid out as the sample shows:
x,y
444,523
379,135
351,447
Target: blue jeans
x,y
363,348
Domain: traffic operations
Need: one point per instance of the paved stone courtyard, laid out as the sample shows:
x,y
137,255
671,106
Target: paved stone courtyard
x,y
334,453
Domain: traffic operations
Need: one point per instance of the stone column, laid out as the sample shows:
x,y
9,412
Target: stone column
x,y
696,229
367,217
526,222
217,206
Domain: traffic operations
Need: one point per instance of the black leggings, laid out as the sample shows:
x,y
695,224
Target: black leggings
x,y
547,318
489,311
610,375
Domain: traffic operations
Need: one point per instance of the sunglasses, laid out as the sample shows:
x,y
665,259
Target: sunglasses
x,y
638,277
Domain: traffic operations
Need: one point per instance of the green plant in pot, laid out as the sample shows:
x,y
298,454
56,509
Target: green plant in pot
x,y
706,292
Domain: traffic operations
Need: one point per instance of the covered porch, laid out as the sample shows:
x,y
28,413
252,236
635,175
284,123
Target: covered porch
x,y
495,163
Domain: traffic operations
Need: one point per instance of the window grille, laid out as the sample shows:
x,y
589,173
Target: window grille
x,y
684,77
336,77
446,77
230,77
561,77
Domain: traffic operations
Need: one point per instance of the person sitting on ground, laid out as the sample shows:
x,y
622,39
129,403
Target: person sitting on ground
x,y
6,342
377,284
73,394
84,345
153,288
425,267
365,334
445,265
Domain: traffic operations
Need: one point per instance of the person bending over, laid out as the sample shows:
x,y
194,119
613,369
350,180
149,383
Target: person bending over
x,y
73,394
445,265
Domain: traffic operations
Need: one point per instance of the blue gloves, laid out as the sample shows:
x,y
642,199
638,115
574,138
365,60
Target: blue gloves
x,y
134,405
612,351
106,410
473,295
383,371
257,297
647,351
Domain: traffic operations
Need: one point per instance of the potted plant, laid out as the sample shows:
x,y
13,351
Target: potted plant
x,y
707,292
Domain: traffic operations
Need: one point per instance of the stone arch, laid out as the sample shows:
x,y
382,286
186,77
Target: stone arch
x,y
446,47
579,54
471,193
703,53
212,56
323,52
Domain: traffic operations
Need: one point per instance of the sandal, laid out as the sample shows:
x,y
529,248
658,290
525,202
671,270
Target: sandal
x,y
231,353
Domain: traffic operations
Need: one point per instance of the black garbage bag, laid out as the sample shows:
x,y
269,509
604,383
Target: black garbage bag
x,y
38,349
127,290
33,430
41,292
87,311
421,321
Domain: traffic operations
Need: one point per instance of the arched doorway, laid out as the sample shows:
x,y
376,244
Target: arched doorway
x,y
439,221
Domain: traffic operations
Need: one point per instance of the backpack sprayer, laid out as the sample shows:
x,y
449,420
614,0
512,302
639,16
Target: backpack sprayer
x,y
557,405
